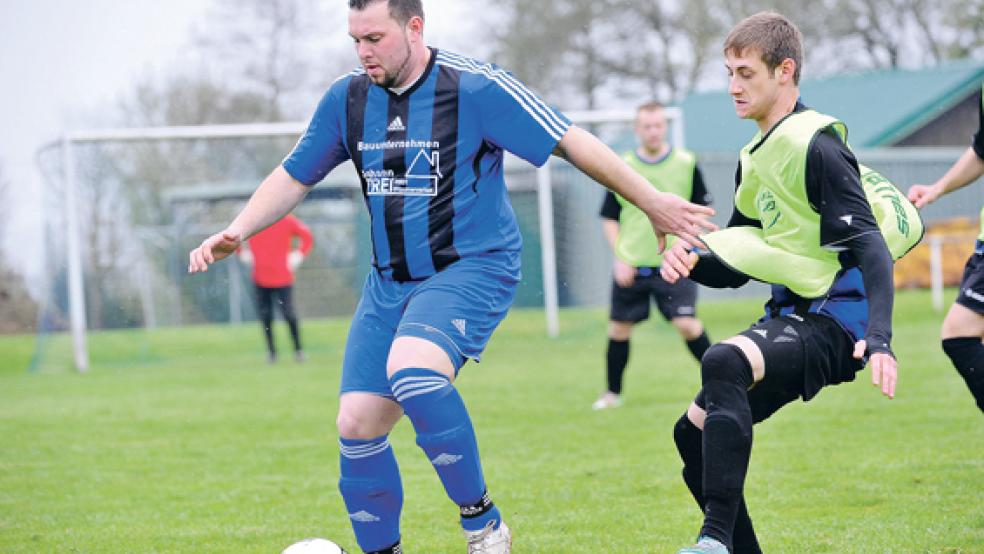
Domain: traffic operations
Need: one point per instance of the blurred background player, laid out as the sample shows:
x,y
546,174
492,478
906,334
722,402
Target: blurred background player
x,y
274,259
426,130
637,258
963,327
803,223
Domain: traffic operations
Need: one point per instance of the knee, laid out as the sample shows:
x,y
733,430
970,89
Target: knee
x,y
726,362
352,426
620,330
689,327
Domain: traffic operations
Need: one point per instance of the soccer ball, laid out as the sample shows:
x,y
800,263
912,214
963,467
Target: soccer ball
x,y
314,546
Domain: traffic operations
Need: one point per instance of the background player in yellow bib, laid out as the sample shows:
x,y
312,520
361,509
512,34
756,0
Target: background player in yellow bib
x,y
636,263
963,327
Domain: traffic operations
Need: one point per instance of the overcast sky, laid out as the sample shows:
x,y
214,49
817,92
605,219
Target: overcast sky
x,y
65,61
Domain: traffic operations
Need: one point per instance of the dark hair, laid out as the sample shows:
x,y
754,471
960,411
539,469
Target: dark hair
x,y
400,10
771,33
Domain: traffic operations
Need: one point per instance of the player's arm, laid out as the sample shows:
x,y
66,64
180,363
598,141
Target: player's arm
x,y
623,273
318,151
297,255
668,213
966,170
699,193
304,233
276,196
847,224
683,261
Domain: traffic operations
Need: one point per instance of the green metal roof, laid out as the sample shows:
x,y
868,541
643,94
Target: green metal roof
x,y
879,107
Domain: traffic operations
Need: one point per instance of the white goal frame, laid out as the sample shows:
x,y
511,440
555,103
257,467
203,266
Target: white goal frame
x,y
76,285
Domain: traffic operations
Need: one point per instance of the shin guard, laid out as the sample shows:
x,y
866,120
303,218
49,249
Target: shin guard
x,y
373,493
445,434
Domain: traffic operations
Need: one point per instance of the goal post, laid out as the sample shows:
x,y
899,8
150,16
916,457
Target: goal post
x,y
542,186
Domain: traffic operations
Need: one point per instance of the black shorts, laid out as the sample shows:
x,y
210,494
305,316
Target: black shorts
x,y
971,293
632,303
802,355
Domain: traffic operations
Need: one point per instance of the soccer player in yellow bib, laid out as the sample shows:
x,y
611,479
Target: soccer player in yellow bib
x,y
819,228
635,268
963,327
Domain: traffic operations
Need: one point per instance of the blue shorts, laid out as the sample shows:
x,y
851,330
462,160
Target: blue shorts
x,y
456,309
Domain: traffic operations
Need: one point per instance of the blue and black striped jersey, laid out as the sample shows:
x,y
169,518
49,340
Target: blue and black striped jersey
x,y
430,159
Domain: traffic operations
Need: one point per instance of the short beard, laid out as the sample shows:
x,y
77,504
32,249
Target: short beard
x,y
389,80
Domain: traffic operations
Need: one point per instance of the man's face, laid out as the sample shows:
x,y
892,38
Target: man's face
x,y
650,129
753,88
382,44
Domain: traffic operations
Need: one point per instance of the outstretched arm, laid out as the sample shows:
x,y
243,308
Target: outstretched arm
x,y
965,171
276,196
667,212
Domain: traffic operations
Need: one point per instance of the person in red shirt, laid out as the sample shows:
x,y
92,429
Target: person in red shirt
x,y
274,259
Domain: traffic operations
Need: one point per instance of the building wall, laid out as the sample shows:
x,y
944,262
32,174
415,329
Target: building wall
x,y
955,127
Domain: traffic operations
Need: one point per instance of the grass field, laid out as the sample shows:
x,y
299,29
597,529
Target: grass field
x,y
202,447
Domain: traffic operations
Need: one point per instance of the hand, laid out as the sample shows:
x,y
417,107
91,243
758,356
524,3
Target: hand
x,y
673,215
624,273
677,262
294,260
884,368
922,195
213,249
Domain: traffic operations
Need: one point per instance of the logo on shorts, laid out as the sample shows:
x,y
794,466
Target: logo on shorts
x,y
974,295
761,332
446,459
846,218
784,338
686,310
459,324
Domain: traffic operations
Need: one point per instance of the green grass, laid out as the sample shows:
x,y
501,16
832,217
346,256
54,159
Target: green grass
x,y
199,446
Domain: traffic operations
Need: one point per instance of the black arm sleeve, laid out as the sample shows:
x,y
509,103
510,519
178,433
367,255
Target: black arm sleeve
x,y
978,144
737,218
610,208
699,193
712,272
872,256
833,187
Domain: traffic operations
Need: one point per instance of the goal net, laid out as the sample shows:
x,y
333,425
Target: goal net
x,y
124,207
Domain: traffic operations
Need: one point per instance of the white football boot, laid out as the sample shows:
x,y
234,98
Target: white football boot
x,y
608,399
488,540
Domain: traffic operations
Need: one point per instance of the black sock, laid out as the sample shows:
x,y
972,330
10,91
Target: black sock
x,y
617,358
726,376
699,345
967,355
689,442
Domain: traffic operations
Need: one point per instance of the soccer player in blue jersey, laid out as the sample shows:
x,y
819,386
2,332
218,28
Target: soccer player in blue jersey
x,y
426,130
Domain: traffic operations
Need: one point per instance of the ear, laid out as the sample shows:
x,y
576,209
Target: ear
x,y
416,26
785,70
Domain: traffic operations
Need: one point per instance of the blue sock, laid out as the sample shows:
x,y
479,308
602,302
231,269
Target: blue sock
x,y
373,493
446,435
